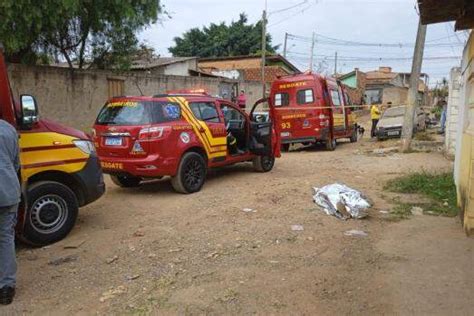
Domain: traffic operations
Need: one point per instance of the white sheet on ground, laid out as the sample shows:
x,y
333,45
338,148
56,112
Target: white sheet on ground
x,y
341,201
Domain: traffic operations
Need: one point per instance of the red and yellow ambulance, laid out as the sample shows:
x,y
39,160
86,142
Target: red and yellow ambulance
x,y
311,108
60,170
181,135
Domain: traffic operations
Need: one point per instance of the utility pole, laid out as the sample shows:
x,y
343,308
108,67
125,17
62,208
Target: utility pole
x,y
312,52
285,44
335,65
408,122
264,48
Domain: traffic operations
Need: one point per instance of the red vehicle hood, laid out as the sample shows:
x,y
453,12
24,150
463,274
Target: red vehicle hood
x,y
53,126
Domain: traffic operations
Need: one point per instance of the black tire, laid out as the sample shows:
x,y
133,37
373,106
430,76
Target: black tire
x,y
191,174
263,163
126,181
51,213
285,147
355,136
331,144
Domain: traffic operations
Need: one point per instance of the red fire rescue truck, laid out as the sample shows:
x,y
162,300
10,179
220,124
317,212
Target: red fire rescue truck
x,y
180,135
311,108
60,170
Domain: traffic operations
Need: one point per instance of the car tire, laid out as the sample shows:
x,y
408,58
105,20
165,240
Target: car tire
x,y
51,213
331,144
263,163
126,181
285,147
354,136
191,174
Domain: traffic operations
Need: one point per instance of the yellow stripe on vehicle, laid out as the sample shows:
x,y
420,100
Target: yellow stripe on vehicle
x,y
214,141
217,146
38,154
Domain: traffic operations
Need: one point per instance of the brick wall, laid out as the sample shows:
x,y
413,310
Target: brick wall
x,y
271,73
231,64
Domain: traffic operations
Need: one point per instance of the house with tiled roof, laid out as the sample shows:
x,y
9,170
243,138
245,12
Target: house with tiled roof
x,y
248,67
383,86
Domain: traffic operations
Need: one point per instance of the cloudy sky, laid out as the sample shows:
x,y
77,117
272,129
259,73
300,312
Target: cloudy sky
x,y
353,26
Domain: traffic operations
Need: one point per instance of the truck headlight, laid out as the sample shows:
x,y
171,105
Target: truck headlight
x,y
85,146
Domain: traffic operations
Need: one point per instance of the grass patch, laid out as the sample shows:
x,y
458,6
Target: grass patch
x,y
438,187
400,211
423,136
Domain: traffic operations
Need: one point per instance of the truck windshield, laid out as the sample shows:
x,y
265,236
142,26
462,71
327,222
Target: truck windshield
x,y
138,113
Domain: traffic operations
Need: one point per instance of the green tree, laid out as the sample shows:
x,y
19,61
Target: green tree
x,y
218,40
97,32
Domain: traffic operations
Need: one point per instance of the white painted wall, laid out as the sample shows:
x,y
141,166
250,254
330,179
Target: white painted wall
x,y
453,110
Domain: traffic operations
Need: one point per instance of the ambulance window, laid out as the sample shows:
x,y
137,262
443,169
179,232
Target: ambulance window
x,y
348,99
336,100
305,96
205,111
282,99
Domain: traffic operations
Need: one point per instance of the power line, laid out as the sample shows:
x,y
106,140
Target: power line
x,y
359,58
322,39
288,8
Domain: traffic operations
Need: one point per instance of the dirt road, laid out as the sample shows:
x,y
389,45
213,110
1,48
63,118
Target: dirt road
x,y
150,250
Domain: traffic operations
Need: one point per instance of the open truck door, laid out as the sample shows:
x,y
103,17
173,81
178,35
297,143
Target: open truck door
x,y
7,110
264,132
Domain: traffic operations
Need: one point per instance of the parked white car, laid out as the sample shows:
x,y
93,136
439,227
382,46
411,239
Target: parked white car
x,y
391,122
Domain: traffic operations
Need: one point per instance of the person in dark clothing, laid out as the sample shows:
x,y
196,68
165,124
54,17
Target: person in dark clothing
x,y
10,193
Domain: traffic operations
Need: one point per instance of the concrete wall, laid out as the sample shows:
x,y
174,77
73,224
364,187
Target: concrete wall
x,y
350,81
75,100
464,160
396,95
453,111
181,68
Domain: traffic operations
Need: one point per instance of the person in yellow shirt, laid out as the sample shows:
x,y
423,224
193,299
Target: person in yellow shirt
x,y
375,116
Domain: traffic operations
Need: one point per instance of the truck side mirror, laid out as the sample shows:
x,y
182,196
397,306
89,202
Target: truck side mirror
x,y
29,110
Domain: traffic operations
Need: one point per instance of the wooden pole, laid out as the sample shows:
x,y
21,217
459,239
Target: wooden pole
x,y
408,122
311,58
264,48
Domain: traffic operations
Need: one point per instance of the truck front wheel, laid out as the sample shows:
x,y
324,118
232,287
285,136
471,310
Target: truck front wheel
x,y
51,213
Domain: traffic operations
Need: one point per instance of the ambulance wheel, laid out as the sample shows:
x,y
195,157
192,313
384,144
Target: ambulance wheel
x,y
51,214
285,147
331,144
263,163
191,174
126,181
354,136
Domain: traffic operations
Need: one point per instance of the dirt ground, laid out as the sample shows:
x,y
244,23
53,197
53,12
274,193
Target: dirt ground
x,y
152,251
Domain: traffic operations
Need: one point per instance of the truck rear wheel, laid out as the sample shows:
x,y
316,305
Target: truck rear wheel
x,y
263,163
285,147
331,144
51,213
354,136
191,174
126,181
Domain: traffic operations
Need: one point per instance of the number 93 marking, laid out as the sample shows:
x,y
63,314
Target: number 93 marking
x,y
285,125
